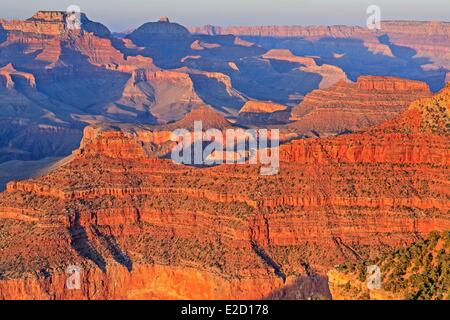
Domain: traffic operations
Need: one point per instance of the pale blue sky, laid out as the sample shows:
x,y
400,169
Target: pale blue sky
x,y
123,14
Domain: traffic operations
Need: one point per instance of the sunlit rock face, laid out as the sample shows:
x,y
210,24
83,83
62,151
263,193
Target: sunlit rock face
x,y
261,112
117,210
141,226
56,23
347,106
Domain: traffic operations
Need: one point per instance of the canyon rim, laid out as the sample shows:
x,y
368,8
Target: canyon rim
x,y
356,128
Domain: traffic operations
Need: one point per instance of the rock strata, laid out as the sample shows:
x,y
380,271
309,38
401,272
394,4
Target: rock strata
x,y
158,229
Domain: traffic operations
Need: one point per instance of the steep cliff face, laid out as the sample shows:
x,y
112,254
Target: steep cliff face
x,y
43,63
352,106
263,113
165,95
143,227
28,116
55,79
56,23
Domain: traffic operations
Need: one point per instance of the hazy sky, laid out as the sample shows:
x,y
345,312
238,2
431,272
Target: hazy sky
x,y
123,14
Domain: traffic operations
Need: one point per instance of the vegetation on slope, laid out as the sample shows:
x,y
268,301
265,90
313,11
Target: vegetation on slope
x,y
420,271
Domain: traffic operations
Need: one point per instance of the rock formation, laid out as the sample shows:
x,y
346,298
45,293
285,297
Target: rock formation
x,y
167,42
8,72
330,74
55,23
397,43
140,226
143,227
261,112
353,106
54,80
209,118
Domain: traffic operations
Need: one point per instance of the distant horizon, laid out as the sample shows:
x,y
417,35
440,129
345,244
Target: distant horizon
x,y
236,25
120,16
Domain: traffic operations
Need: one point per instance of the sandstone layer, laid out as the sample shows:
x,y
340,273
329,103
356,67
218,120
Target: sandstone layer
x,y
347,107
261,112
144,227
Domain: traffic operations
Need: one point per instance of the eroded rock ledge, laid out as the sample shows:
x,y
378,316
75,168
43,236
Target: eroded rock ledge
x,y
126,217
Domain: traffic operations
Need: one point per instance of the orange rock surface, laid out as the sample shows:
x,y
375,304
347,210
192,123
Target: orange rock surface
x,y
144,227
352,106
263,113
261,107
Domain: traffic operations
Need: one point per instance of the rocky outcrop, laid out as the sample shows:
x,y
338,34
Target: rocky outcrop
x,y
55,23
330,74
156,229
216,89
391,85
32,126
200,45
8,72
352,106
159,31
209,118
263,113
406,29
261,107
139,142
174,95
165,41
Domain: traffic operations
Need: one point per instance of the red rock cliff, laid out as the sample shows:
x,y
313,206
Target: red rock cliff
x,y
141,227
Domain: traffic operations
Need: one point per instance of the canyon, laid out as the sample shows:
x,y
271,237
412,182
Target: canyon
x,y
55,81
86,118
140,226
349,46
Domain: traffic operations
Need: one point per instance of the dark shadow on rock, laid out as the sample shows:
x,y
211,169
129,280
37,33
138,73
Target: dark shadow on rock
x,y
142,117
282,66
15,53
227,49
305,287
165,43
3,34
434,78
353,56
399,51
268,260
45,273
214,92
80,242
308,286
80,84
259,80
264,119
110,243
